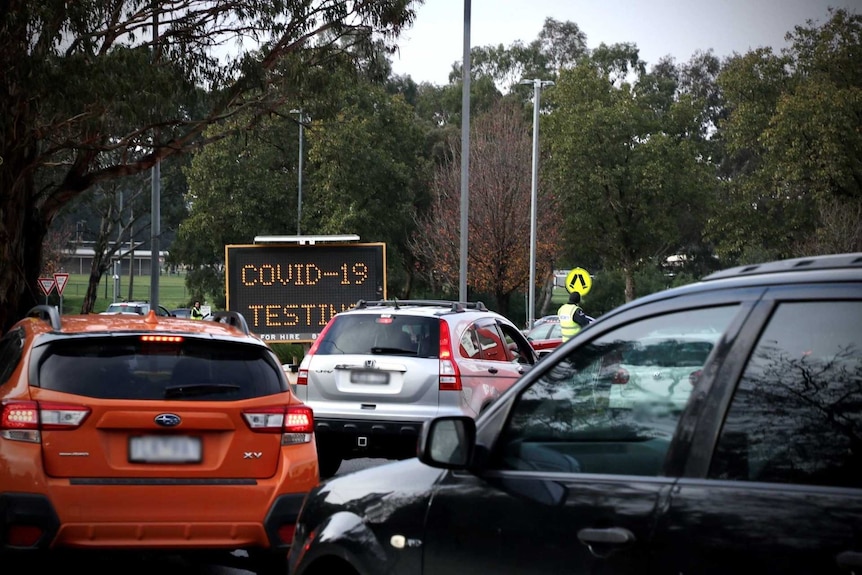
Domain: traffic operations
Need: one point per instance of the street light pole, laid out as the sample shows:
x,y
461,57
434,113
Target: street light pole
x,y
155,194
465,154
537,91
302,120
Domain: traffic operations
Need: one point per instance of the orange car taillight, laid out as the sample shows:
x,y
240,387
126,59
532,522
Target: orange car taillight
x,y
23,420
294,422
450,375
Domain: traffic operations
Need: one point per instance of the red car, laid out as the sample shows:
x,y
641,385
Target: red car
x,y
545,335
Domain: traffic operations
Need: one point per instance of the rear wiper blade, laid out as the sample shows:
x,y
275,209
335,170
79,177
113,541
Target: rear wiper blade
x,y
193,389
392,351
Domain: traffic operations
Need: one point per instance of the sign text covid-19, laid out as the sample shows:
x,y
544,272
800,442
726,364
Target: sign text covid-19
x,y
288,293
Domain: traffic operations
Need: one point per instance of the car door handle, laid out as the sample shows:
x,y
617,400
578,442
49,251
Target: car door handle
x,y
610,536
849,559
493,370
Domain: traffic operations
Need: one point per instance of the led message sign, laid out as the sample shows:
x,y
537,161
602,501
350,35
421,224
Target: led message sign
x,y
288,293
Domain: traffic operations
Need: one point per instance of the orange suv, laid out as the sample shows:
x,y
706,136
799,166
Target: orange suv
x,y
149,433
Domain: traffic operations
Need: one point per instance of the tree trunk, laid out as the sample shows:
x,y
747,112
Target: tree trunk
x,y
97,270
547,295
22,231
628,274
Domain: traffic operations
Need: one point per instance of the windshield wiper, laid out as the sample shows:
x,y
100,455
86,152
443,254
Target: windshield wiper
x,y
195,389
392,351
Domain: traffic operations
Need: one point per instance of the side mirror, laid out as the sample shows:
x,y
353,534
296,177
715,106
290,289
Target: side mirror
x,y
448,442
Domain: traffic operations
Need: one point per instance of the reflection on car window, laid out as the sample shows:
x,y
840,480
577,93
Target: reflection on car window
x,y
603,408
796,416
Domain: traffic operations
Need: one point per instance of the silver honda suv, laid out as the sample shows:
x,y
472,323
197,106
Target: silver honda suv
x,y
379,370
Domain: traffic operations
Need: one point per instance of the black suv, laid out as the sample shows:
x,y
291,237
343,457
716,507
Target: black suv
x,y
711,428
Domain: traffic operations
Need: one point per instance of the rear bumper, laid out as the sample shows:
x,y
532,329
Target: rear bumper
x,y
365,438
356,427
204,532
27,510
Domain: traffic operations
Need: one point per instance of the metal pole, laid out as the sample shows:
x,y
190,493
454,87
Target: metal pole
x,y
531,306
155,208
465,154
537,95
299,195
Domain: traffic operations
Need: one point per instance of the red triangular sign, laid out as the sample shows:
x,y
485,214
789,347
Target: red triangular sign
x,y
46,285
61,280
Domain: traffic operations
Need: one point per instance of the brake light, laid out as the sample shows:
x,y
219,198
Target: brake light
x,y
302,374
23,420
450,375
294,422
162,338
19,415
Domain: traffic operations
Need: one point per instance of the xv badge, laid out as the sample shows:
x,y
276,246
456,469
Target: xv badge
x,y
252,455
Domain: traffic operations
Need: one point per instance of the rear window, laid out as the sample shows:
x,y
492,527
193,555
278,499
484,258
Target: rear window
x,y
126,308
382,334
130,368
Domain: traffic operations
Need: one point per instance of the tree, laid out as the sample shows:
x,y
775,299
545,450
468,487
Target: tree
x,y
89,95
239,187
368,175
794,145
625,161
499,218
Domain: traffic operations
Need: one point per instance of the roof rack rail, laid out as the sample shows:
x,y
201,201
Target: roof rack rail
x,y
48,313
396,303
232,318
832,261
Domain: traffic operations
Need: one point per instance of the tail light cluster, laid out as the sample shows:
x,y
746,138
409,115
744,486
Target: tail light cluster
x,y
25,420
302,374
450,375
294,422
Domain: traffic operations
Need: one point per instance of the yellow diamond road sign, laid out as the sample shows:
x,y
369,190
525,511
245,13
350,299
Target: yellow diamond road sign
x,y
579,280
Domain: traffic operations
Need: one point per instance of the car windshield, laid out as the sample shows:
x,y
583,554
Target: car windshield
x,y
130,368
372,334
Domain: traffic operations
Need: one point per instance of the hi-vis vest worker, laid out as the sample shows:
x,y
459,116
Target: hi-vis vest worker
x,y
572,317
196,312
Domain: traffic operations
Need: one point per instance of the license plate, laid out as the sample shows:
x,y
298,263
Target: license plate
x,y
369,377
165,449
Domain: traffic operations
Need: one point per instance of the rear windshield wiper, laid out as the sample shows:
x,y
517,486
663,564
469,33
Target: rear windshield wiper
x,y
392,351
195,389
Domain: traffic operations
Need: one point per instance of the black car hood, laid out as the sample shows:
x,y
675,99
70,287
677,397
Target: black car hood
x,y
379,492
364,512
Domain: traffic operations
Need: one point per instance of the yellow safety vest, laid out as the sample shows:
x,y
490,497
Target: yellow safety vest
x,y
568,327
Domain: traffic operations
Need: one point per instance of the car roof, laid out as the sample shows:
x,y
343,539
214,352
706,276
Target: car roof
x,y
420,307
221,324
814,269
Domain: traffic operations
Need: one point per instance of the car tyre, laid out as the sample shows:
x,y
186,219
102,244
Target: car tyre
x,y
328,462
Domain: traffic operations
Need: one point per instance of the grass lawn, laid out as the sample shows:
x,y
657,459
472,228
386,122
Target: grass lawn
x,y
172,292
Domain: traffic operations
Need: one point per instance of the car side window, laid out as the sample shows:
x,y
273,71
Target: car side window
x,y
519,348
470,348
491,343
796,415
604,408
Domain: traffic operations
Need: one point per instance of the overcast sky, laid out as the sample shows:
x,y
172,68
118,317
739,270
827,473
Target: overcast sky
x,y
658,27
